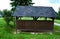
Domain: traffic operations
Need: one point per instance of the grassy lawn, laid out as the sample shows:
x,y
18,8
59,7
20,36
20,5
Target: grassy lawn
x,y
30,18
6,34
57,21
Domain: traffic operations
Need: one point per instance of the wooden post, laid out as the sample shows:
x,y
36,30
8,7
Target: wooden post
x,y
45,18
53,22
20,17
15,24
35,18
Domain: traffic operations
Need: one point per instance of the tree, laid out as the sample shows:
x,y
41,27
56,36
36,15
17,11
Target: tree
x,y
59,14
15,3
0,13
7,16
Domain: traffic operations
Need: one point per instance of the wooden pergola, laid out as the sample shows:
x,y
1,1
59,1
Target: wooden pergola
x,y
34,25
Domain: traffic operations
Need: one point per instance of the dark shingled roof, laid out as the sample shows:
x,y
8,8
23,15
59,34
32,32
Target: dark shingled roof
x,y
37,11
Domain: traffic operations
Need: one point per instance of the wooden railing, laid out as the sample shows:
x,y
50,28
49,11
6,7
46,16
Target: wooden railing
x,y
31,25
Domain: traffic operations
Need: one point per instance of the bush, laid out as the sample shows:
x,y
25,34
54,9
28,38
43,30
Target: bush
x,y
7,16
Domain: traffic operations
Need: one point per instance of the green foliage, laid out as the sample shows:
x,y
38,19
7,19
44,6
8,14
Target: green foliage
x,y
57,21
59,14
15,3
7,16
0,13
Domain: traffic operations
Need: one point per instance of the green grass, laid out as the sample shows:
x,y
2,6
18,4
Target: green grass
x,y
30,18
57,28
57,21
5,34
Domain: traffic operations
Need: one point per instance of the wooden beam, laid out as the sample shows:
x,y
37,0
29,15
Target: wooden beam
x,y
17,18
35,18
53,23
45,18
15,24
20,17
